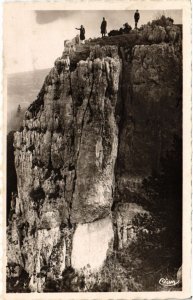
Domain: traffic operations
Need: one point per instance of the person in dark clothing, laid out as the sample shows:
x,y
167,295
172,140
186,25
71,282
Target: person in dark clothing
x,y
127,28
103,27
136,17
82,33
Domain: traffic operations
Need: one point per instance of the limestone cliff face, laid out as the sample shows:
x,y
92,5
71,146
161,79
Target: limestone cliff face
x,y
64,158
101,125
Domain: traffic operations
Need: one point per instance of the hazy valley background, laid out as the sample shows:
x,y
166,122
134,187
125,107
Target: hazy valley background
x,y
22,89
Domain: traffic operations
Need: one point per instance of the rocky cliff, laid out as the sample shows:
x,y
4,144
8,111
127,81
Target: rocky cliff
x,y
99,126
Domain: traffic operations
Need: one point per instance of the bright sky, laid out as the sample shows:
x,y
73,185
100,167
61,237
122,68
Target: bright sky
x,y
34,39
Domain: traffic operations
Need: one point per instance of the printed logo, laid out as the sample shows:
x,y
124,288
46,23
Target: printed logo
x,y
168,282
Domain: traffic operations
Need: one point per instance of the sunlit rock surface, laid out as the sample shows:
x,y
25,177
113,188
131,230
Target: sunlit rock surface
x,y
91,242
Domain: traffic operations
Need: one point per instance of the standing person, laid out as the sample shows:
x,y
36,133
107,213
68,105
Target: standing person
x,y
104,27
136,17
82,33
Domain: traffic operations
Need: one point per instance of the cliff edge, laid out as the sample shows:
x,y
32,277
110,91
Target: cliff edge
x,y
99,127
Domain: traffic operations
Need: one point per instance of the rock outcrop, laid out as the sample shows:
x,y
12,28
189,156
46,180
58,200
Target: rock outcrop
x,y
64,157
94,133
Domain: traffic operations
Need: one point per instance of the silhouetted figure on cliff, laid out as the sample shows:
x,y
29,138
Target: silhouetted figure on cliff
x,y
103,27
136,17
82,33
126,28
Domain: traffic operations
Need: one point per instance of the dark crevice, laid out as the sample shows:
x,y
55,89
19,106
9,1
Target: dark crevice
x,y
11,172
124,104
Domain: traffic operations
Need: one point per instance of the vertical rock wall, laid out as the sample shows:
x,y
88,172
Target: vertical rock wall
x,y
65,156
151,117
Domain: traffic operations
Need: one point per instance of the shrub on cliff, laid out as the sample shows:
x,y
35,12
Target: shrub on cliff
x,y
71,281
160,30
162,21
127,28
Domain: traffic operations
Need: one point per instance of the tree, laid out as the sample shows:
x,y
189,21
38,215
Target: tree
x,y
18,109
